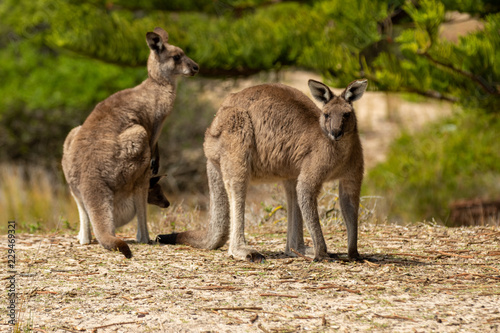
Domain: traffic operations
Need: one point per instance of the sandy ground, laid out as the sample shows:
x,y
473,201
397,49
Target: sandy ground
x,y
420,278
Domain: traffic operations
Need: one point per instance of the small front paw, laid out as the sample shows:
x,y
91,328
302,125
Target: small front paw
x,y
255,257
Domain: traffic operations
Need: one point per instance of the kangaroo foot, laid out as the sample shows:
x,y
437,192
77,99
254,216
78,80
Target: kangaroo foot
x,y
354,255
247,254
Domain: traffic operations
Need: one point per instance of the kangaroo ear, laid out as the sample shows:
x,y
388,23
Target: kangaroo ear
x,y
156,39
162,33
154,180
355,90
320,91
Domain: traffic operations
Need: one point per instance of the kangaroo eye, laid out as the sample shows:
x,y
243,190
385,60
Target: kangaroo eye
x,y
326,115
176,57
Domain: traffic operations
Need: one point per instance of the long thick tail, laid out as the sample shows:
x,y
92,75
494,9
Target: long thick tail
x,y
99,204
217,233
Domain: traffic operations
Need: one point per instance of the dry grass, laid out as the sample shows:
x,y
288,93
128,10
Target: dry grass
x,y
420,278
35,198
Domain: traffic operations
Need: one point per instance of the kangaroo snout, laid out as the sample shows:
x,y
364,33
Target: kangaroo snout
x,y
192,69
337,134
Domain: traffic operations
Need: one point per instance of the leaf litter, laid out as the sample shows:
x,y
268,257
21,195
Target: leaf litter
x,y
419,278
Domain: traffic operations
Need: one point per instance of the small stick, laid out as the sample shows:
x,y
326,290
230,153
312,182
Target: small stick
x,y
478,275
493,320
254,318
491,267
372,264
262,328
46,292
236,308
332,286
82,274
108,325
486,276
238,320
412,255
394,317
301,255
278,295
454,255
216,288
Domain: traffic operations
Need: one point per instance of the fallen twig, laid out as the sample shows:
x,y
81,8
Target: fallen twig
x,y
473,274
394,317
301,255
334,286
492,320
216,288
372,264
108,325
278,295
82,274
262,328
254,318
454,255
235,308
412,255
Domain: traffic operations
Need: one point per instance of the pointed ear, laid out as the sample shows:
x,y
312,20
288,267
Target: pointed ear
x,y
154,180
162,33
320,91
355,90
155,42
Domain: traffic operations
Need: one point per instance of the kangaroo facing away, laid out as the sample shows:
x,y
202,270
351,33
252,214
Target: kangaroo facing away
x,y
108,161
273,132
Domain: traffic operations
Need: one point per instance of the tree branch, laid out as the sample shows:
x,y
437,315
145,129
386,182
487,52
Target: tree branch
x,y
476,78
426,93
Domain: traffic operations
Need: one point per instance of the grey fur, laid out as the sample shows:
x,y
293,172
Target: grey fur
x,y
107,161
273,132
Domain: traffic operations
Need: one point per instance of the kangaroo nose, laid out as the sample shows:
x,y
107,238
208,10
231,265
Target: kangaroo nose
x,y
196,68
337,134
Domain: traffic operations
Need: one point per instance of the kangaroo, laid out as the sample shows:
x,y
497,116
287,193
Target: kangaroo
x,y
273,132
108,161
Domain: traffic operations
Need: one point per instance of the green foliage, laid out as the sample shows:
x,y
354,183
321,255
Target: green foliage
x,y
453,159
61,57
44,96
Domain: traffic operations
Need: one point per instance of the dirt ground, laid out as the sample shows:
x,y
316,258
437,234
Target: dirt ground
x,y
419,278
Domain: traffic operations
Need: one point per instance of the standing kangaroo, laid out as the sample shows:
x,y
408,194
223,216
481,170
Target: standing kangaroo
x,y
274,132
108,161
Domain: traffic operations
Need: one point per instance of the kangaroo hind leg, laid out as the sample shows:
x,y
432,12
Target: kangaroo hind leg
x,y
99,204
295,226
84,235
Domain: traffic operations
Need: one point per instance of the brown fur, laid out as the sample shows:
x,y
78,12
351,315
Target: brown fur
x,y
107,161
273,132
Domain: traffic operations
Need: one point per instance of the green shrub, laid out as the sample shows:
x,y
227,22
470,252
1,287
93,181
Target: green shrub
x,y
457,158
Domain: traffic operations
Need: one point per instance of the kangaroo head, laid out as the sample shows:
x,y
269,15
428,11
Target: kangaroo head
x,y
167,61
155,193
338,117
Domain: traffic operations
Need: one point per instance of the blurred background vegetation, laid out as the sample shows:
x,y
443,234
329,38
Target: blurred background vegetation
x,y
59,58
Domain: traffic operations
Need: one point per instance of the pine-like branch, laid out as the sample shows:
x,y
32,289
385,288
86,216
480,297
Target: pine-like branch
x,y
476,78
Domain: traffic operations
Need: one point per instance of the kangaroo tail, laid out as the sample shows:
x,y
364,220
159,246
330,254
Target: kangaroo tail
x,y
100,209
217,233
114,243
